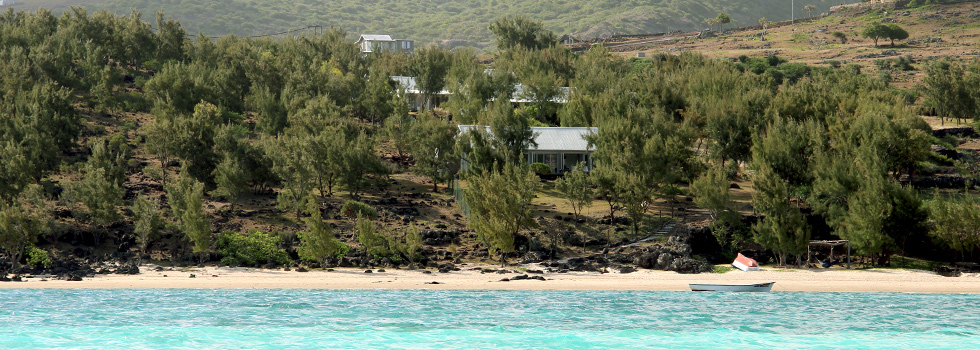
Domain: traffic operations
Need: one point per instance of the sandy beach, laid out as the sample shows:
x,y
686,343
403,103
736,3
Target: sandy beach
x,y
834,280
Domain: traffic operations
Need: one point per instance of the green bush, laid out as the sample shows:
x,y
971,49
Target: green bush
x,y
541,169
775,61
378,242
794,71
255,248
776,74
37,257
352,208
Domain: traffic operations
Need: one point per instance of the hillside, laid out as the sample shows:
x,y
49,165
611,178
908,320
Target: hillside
x,y
122,144
934,31
451,23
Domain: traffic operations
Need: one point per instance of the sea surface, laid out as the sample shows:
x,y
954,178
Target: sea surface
x,y
425,319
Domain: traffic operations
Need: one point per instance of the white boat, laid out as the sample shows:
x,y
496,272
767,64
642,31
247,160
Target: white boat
x,y
757,287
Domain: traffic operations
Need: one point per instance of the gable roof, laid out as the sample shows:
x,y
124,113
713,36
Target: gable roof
x,y
375,37
552,138
410,86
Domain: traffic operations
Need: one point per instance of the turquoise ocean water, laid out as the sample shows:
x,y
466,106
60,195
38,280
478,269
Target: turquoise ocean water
x,y
420,319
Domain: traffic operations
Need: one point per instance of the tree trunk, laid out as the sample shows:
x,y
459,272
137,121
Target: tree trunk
x,y
163,170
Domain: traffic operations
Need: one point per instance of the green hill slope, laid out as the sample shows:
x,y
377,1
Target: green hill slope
x,y
449,22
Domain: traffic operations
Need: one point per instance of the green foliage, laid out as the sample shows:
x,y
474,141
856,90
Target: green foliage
x,y
711,192
433,141
38,258
501,206
318,241
521,32
186,136
782,228
875,31
429,66
39,123
840,36
21,221
255,248
509,134
638,151
354,209
957,221
413,242
231,178
541,169
949,89
380,244
187,206
148,221
896,33
576,186
399,130
101,189
723,18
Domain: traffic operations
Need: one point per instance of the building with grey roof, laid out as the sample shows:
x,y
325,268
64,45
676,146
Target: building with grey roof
x,y
376,43
561,149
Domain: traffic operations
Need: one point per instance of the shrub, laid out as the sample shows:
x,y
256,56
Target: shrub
x,y
774,60
255,248
37,257
379,243
904,63
758,66
794,71
351,209
776,74
541,169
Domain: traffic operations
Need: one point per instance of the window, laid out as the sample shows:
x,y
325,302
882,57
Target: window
x,y
551,160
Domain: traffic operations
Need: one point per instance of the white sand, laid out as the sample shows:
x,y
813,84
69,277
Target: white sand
x,y
833,280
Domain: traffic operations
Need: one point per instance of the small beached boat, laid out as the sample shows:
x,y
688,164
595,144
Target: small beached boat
x,y
757,287
745,263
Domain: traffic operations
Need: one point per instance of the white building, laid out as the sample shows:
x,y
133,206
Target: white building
x,y
377,43
561,149
416,100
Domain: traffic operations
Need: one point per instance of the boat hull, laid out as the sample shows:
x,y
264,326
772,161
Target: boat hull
x,y
755,287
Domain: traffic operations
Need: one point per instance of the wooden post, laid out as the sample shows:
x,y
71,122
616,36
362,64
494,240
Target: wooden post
x,y
848,254
808,256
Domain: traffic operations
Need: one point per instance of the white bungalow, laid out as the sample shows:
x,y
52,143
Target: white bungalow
x,y
416,100
376,43
414,96
561,149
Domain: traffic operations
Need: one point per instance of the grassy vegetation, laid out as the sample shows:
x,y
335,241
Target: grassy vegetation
x,y
722,268
902,262
463,22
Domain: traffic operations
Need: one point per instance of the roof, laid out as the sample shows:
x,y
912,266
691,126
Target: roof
x,y
375,37
410,86
522,95
553,138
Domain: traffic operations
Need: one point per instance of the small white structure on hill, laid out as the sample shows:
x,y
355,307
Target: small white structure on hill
x,y
377,43
561,149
